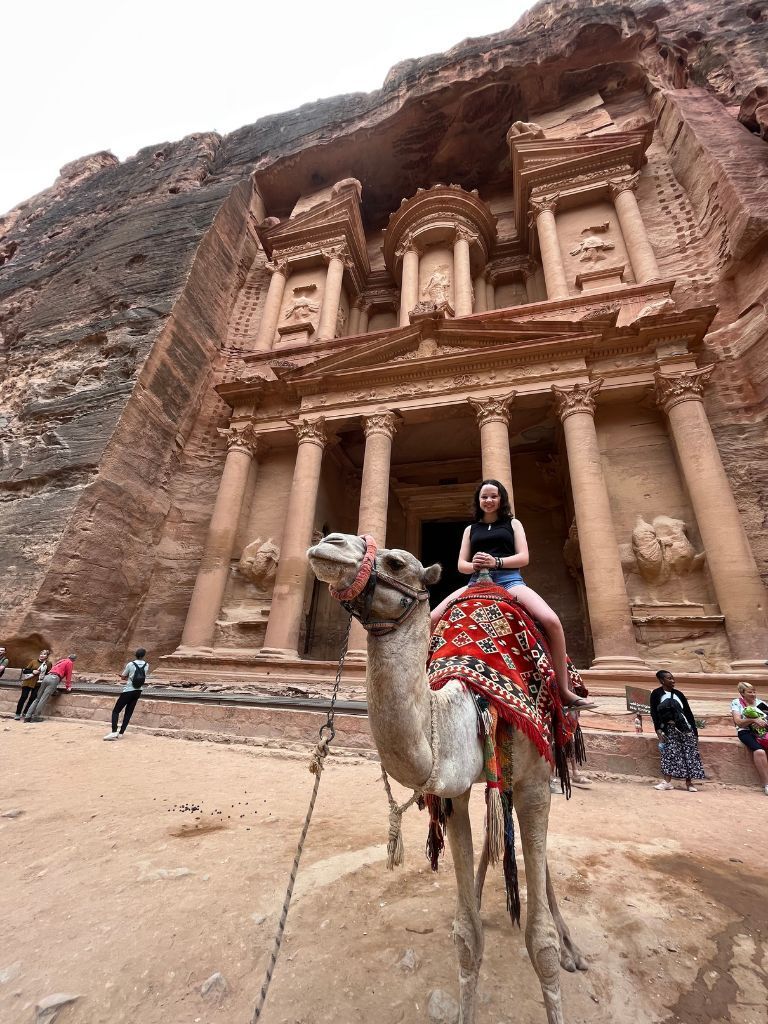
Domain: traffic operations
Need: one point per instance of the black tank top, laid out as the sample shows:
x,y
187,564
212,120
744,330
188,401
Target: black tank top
x,y
497,539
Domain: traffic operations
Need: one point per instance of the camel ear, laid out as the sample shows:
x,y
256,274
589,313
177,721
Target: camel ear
x,y
433,573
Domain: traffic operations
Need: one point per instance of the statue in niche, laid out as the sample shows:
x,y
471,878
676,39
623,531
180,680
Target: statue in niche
x,y
341,319
527,128
437,288
661,551
258,562
301,306
591,248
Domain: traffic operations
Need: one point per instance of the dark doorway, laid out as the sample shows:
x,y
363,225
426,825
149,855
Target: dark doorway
x,y
440,542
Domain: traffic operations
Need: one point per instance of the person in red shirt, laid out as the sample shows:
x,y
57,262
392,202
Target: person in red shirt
x,y
61,671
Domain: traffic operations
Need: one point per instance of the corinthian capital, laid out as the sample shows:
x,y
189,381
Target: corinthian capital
x,y
579,398
492,410
242,439
277,265
629,184
336,252
380,423
407,245
540,204
311,431
465,234
687,386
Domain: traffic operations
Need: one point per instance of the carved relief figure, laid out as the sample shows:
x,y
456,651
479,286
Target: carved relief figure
x,y
660,551
341,319
258,562
591,248
437,288
301,306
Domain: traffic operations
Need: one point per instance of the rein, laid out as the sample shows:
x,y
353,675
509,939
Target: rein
x,y
357,598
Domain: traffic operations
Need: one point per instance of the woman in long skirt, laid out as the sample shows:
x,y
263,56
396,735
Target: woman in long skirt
x,y
678,736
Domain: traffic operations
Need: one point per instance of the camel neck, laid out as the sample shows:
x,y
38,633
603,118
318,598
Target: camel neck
x,y
398,699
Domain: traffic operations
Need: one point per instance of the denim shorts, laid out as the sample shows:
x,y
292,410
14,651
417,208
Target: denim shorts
x,y
506,578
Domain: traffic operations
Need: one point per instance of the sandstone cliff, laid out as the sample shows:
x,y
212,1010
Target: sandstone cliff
x,y
118,283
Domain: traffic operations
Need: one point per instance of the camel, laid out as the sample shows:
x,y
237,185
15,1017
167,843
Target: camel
x,y
428,741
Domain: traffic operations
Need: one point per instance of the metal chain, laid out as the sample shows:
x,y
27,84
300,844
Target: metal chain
x,y
327,733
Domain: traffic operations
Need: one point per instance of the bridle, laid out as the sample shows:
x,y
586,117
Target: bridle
x,y
357,598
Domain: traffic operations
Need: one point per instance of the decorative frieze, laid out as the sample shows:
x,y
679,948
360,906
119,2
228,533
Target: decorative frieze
x,y
687,386
578,398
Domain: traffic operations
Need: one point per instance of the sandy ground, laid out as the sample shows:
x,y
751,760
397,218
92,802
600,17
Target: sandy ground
x,y
115,890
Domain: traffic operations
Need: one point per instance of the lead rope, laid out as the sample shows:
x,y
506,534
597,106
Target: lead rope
x,y
327,733
395,847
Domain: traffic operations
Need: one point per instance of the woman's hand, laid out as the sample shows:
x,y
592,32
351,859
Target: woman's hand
x,y
661,735
483,561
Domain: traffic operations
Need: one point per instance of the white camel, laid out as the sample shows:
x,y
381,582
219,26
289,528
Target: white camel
x,y
428,739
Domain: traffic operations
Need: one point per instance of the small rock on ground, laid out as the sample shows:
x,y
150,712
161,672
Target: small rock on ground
x,y
16,812
47,1010
408,961
215,987
10,972
442,1008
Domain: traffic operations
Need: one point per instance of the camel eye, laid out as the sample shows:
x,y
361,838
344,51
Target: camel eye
x,y
394,564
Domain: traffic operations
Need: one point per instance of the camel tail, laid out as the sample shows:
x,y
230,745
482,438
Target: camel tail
x,y
510,864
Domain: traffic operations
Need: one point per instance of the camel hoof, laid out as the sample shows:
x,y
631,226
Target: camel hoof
x,y
571,959
566,962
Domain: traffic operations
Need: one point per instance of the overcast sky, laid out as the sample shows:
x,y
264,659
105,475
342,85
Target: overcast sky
x,y
81,76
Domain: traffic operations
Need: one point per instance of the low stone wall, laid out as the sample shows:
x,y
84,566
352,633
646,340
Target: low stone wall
x,y
621,753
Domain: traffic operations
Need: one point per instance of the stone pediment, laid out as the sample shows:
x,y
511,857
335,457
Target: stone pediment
x,y
335,221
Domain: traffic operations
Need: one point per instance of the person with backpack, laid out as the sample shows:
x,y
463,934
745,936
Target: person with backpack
x,y
135,672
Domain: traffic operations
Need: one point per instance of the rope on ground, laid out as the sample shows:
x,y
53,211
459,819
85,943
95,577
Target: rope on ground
x,y
327,733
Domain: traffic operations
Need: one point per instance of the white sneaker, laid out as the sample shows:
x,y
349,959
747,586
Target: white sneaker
x,y
692,789
664,785
112,736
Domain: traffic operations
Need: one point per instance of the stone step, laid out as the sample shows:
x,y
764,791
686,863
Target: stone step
x,y
240,720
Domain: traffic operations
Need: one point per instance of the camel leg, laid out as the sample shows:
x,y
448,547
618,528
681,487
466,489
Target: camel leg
x,y
467,927
571,958
532,798
482,868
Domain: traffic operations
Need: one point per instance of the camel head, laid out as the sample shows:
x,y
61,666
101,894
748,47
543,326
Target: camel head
x,y
380,586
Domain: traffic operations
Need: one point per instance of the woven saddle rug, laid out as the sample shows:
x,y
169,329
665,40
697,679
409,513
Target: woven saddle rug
x,y
488,642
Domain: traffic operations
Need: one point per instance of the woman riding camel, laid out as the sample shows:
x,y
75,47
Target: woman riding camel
x,y
496,541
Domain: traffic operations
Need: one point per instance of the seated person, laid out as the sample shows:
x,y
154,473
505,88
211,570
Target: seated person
x,y
496,541
750,716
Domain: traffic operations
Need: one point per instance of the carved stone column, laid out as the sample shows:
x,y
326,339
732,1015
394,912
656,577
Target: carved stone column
x,y
274,300
493,420
284,626
639,248
409,285
738,587
462,274
490,293
374,492
365,313
481,294
211,582
613,634
354,316
329,311
543,213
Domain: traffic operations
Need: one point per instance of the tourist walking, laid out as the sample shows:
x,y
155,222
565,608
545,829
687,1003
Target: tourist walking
x,y
31,677
3,661
678,736
496,542
750,716
135,672
61,672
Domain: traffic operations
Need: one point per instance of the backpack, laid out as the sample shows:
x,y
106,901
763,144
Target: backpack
x,y
139,675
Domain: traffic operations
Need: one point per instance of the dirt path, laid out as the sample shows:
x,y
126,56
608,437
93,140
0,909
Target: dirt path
x,y
114,889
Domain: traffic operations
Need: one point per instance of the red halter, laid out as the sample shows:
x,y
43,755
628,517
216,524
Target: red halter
x,y
357,586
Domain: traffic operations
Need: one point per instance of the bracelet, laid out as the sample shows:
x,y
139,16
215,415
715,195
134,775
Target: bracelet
x,y
499,563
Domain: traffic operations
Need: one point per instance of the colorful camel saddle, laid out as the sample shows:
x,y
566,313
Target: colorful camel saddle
x,y
490,644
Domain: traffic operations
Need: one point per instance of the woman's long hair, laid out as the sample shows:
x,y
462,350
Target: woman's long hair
x,y
505,509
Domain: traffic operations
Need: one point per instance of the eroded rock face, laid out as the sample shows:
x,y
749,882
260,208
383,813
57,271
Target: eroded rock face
x,y
122,284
